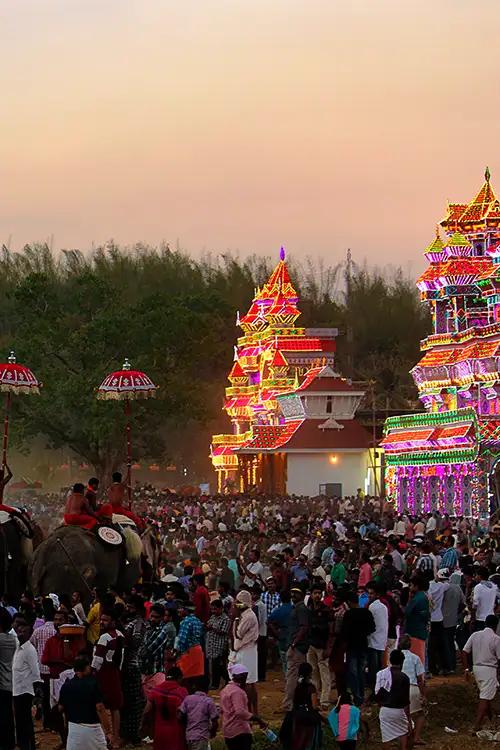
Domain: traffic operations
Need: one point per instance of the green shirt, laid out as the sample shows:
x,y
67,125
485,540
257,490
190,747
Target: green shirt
x,y
338,574
417,616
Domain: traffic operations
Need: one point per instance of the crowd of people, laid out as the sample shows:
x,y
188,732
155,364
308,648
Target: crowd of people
x,y
356,606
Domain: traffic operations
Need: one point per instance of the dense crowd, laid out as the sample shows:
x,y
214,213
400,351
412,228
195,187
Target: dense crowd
x,y
354,604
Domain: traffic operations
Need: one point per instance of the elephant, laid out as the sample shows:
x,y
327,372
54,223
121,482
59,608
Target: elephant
x,y
16,550
73,559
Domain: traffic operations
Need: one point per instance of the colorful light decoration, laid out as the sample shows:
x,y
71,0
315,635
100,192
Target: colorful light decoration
x,y
267,360
441,458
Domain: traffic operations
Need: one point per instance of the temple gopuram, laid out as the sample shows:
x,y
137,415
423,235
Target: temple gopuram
x,y
446,459
293,417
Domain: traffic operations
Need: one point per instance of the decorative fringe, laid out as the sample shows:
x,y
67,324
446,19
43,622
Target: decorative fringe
x,y
25,388
124,395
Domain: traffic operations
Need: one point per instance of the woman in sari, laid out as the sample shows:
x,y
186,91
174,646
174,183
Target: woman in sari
x,y
164,701
301,728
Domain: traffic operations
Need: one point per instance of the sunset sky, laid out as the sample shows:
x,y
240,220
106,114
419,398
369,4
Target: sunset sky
x,y
246,124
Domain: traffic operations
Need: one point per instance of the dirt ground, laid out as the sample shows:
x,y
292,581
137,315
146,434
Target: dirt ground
x,y
452,704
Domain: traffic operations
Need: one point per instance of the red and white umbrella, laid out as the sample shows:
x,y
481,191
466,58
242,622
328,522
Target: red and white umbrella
x,y
127,385
14,379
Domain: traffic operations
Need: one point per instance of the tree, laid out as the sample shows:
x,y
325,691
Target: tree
x,y
74,318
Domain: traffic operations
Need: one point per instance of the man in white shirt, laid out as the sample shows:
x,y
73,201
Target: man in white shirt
x,y
397,557
25,673
254,570
437,647
399,527
484,598
484,647
430,526
377,641
415,671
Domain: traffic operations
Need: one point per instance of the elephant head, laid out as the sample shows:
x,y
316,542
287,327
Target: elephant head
x,y
73,559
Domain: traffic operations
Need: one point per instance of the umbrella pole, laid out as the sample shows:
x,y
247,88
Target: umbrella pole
x,y
5,439
129,453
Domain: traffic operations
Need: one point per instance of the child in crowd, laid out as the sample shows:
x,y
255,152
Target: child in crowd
x,y
344,722
200,716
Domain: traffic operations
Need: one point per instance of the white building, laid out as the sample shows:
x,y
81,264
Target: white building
x,y
320,448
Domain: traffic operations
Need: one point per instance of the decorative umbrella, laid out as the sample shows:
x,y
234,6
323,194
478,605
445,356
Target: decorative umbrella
x,y
127,385
17,379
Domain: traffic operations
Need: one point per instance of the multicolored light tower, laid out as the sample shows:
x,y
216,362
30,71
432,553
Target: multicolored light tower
x,y
272,357
446,459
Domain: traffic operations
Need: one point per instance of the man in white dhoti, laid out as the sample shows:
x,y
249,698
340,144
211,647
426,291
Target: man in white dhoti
x,y
88,721
392,692
484,648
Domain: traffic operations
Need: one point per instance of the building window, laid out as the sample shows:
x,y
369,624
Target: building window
x,y
329,404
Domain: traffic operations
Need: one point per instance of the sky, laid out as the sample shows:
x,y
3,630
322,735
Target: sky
x,y
246,124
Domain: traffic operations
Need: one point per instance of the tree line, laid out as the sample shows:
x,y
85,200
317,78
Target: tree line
x,y
74,317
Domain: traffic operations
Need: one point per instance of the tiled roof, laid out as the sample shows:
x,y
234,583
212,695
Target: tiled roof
x,y
428,438
310,436
298,344
271,437
480,350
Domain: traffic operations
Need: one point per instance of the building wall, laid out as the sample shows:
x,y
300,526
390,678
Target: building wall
x,y
306,471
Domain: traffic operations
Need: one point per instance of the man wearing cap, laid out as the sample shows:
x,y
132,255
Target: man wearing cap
x,y
245,639
298,644
236,716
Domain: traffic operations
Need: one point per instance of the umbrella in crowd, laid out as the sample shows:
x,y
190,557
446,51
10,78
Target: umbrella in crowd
x,y
127,385
14,379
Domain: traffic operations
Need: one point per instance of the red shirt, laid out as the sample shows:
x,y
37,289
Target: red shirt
x,y
201,601
54,657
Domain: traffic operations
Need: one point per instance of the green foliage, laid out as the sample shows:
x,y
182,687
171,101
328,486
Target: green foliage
x,y
73,319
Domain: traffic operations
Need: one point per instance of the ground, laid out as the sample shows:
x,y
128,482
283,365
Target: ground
x,y
452,704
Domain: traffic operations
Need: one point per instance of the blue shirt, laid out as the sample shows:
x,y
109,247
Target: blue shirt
x,y
449,559
281,618
299,573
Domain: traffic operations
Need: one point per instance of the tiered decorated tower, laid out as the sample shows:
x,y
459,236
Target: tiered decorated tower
x,y
293,417
445,459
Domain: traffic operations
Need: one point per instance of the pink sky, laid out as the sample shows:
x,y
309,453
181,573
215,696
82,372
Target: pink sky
x,y
246,124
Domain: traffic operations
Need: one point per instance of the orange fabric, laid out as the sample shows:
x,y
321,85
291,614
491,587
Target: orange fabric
x,y
7,508
192,663
418,648
80,519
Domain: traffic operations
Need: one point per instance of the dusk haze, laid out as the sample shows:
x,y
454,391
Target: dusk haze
x,y
229,124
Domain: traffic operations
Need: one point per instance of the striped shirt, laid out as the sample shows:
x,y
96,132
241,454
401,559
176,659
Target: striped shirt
x,y
271,601
39,639
190,634
109,650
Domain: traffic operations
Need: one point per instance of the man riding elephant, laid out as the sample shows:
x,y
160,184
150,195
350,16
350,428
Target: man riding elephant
x,y
78,511
116,496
